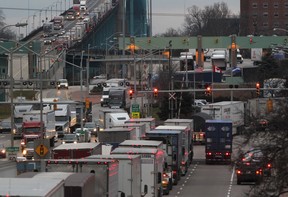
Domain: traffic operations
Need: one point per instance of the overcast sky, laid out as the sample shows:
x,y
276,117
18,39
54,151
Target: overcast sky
x,y
174,8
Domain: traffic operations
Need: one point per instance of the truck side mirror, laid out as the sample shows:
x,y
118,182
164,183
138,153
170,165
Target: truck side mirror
x,y
174,157
183,151
165,165
122,194
159,177
145,189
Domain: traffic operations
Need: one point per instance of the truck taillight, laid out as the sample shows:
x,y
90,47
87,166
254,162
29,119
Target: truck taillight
x,y
227,154
269,165
258,172
238,172
209,153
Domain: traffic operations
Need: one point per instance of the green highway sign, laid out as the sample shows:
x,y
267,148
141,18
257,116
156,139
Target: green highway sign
x,y
135,107
12,149
242,42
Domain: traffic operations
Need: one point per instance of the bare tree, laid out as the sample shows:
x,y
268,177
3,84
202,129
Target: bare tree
x,y
215,20
5,33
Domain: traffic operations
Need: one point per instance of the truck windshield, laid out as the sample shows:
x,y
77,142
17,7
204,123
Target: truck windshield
x,y
18,120
105,92
31,130
61,118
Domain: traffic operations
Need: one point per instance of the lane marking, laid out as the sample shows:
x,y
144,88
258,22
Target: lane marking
x,y
231,182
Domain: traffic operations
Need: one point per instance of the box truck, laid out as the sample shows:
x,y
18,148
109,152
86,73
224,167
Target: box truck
x,y
218,145
130,175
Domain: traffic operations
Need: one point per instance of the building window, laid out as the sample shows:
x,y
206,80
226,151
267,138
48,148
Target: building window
x,y
286,14
276,25
265,24
265,14
3,70
276,15
254,15
286,4
276,5
265,5
254,5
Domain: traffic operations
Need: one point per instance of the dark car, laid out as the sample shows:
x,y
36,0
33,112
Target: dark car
x,y
252,167
5,127
2,151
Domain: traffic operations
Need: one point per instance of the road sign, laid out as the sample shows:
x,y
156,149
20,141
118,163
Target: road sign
x,y
41,150
12,149
135,114
172,96
135,107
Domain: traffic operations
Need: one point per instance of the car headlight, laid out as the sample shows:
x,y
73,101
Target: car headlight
x,y
3,151
63,142
75,142
24,152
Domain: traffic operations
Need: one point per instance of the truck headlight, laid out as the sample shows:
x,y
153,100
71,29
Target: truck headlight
x,y
3,151
24,152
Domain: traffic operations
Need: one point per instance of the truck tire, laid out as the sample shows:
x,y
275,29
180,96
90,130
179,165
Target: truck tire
x,y
238,182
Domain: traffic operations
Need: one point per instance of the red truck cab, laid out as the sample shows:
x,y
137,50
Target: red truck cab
x,y
31,131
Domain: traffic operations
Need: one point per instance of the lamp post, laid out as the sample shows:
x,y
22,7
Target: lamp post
x,y
280,29
106,50
12,80
15,25
81,88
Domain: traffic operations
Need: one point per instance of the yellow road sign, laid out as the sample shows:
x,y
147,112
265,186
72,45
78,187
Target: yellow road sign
x,y
41,150
135,114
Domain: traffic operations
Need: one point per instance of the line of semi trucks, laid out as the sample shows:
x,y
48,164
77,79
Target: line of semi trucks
x,y
136,157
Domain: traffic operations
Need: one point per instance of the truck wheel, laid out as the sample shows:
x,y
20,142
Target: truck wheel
x,y
238,182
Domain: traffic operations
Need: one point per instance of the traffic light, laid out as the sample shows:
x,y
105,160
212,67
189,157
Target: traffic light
x,y
166,54
251,40
233,43
258,89
87,103
155,91
149,40
55,104
208,90
131,93
269,105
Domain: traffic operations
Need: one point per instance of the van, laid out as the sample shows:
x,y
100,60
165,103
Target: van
x,y
62,83
82,5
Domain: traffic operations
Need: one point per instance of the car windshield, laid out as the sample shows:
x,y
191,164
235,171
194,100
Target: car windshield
x,y
89,125
63,80
69,137
253,155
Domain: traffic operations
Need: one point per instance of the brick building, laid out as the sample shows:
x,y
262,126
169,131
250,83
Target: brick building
x,y
260,17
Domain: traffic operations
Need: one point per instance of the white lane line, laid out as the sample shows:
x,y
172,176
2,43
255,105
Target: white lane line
x,y
231,182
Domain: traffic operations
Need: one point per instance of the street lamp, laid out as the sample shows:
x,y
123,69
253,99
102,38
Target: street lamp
x,y
15,25
12,80
280,29
106,49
